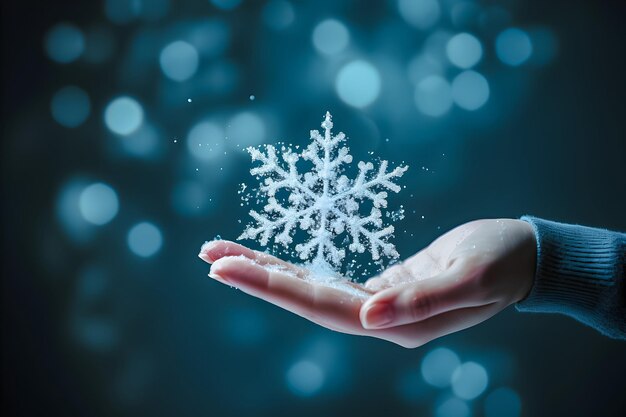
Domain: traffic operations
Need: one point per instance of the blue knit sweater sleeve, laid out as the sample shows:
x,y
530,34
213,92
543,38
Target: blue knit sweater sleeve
x,y
580,273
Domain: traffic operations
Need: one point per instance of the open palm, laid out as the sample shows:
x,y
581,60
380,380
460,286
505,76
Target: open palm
x,y
461,279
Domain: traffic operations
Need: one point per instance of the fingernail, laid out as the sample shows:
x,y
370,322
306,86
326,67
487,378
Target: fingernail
x,y
377,315
218,277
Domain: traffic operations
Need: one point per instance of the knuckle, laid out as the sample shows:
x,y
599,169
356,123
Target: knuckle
x,y
422,306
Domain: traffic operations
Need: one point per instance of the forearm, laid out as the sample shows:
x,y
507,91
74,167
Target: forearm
x,y
580,272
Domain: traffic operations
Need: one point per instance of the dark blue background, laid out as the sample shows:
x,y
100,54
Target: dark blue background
x,y
92,329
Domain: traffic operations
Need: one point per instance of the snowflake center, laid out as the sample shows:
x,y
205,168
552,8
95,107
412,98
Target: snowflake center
x,y
324,203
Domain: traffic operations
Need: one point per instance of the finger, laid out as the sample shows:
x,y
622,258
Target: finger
x,y
417,334
329,307
417,301
217,249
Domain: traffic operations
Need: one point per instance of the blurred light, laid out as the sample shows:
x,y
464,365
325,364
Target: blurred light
x,y
435,46
305,378
438,366
99,45
206,141
469,380
423,66
153,10
123,115
464,13
470,90
330,37
121,11
358,83
68,212
98,203
226,4
464,50
189,198
144,239
64,43
503,402
70,106
98,334
179,61
422,14
453,407
433,96
143,142
513,47
246,129
494,18
278,14
545,46
209,37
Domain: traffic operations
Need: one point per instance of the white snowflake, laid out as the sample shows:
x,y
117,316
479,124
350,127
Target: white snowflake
x,y
323,202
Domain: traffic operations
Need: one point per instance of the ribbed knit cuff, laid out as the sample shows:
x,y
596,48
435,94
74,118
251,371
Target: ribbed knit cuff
x,y
579,273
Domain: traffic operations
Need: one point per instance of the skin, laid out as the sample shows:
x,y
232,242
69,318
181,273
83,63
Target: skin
x,y
461,279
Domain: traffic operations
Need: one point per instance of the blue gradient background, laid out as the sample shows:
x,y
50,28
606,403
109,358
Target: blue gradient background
x,y
90,328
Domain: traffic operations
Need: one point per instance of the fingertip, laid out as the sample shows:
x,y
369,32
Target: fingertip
x,y
376,315
238,269
216,249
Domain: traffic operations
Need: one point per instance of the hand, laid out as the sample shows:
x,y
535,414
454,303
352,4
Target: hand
x,y
461,279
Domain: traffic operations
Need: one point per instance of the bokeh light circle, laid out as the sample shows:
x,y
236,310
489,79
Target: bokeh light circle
x,y
154,10
503,402
143,142
246,129
513,47
470,90
121,11
123,115
422,14
545,45
453,407
70,106
438,366
358,83
98,203
422,66
330,37
226,4
464,50
144,239
64,43
433,96
305,378
179,61
206,141
469,380
278,14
